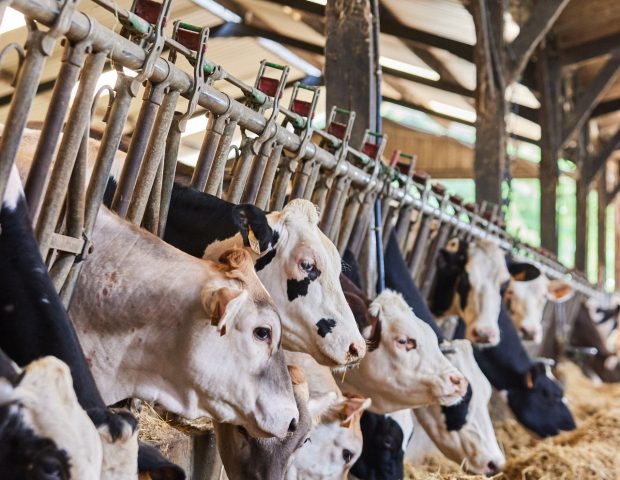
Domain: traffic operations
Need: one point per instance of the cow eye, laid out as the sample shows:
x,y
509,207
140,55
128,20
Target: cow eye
x,y
307,266
347,455
406,343
308,440
263,334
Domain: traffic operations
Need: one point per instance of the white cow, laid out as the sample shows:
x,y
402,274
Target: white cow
x,y
474,445
199,337
407,369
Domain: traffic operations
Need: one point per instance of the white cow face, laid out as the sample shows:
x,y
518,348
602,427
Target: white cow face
x,y
526,297
478,270
407,370
334,444
51,410
474,444
300,267
255,386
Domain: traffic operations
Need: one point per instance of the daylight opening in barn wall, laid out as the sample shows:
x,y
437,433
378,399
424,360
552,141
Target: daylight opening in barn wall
x,y
309,239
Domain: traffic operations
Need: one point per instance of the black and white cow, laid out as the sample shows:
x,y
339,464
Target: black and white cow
x,y
534,396
296,262
34,324
467,283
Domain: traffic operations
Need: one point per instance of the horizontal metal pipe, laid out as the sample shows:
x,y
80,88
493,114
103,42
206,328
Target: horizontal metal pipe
x,y
132,56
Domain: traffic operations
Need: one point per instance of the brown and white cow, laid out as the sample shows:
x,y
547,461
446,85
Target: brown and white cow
x,y
407,368
201,338
474,444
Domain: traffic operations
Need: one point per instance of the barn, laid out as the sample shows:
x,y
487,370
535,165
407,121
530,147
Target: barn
x,y
309,239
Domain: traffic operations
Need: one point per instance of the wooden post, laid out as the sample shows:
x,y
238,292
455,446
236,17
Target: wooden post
x,y
602,224
548,73
581,198
349,64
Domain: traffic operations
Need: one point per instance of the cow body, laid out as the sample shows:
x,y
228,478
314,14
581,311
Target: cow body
x,y
199,337
296,262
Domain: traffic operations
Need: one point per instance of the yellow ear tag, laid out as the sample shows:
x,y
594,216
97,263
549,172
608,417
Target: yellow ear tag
x,y
254,243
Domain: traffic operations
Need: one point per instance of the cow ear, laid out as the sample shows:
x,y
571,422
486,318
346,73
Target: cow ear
x,y
154,466
253,226
319,405
218,305
523,272
559,291
352,407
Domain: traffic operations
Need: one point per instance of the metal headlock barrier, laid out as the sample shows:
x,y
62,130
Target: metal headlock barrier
x,y
317,164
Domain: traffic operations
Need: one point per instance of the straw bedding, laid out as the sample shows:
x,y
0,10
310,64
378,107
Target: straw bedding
x,y
589,452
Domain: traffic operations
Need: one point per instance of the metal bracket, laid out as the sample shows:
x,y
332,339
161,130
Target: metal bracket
x,y
20,53
60,27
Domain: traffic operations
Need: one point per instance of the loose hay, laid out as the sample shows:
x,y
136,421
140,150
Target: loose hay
x,y
589,452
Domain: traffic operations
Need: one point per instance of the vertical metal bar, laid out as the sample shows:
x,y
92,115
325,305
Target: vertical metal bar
x,y
153,206
379,239
420,246
23,96
72,61
264,192
139,141
300,178
403,226
312,179
208,151
256,173
170,164
348,220
152,158
360,228
431,264
216,174
126,91
281,185
241,172
335,228
331,203
78,122
74,223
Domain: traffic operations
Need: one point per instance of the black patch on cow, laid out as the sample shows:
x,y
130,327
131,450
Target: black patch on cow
x,y
110,189
114,421
449,278
297,288
455,416
266,259
325,326
248,218
24,455
462,288
150,460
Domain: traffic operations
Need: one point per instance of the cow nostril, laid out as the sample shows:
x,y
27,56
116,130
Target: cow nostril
x,y
347,455
353,350
492,468
456,380
292,426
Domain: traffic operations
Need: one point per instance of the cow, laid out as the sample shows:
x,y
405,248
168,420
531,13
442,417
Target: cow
x,y
34,324
385,440
407,368
44,432
472,445
467,284
534,396
296,262
202,338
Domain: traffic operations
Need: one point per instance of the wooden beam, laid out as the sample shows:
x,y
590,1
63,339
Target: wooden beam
x,y
491,106
542,17
549,87
581,203
602,223
350,71
441,84
433,61
591,97
605,108
601,157
584,52
394,27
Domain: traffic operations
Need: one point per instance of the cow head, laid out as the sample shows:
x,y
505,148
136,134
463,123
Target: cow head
x,y
525,297
300,268
334,445
407,370
258,395
46,433
247,458
473,443
540,404
469,277
382,453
